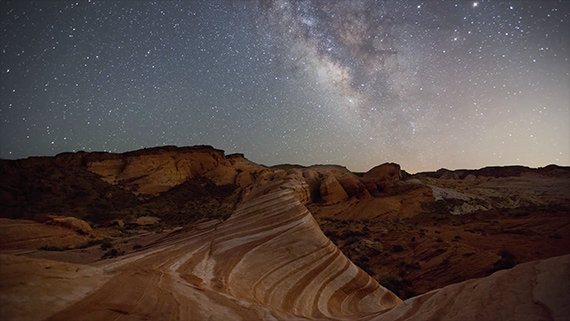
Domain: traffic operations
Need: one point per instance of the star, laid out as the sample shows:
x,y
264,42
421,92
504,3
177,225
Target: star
x,y
291,82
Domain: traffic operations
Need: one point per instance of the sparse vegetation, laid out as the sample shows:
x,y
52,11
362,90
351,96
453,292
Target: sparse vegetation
x,y
351,240
392,283
363,263
350,233
106,244
53,248
507,261
397,248
112,253
90,243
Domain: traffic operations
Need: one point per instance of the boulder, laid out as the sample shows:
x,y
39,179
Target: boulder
x,y
381,177
72,223
146,220
331,191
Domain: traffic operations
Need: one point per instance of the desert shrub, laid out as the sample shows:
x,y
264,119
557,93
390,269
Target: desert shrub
x,y
332,235
52,248
412,265
507,261
112,253
555,236
127,232
349,233
106,244
392,283
397,248
362,262
351,240
90,243
519,232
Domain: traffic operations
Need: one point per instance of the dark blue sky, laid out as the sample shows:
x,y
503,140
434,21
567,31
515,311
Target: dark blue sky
x,y
426,84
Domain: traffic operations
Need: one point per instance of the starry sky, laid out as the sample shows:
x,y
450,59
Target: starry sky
x,y
426,84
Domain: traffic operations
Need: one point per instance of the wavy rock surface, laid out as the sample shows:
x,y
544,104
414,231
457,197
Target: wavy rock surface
x,y
286,263
29,235
538,290
34,289
268,260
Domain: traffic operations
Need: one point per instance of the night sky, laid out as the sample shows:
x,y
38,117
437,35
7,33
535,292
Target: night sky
x,y
426,84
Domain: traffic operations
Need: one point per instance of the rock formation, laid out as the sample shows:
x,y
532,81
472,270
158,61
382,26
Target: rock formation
x,y
268,260
72,223
34,289
381,177
538,290
251,249
30,235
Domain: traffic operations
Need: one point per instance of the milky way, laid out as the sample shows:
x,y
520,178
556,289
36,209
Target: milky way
x,y
426,84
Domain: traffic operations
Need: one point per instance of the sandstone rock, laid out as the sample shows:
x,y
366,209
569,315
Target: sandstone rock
x,y
34,289
470,177
331,191
146,220
30,235
352,185
381,177
156,170
538,290
268,261
72,223
313,179
279,226
449,175
332,184
367,247
118,223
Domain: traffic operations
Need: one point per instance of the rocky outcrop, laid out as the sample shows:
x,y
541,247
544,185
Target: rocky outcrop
x,y
477,194
156,170
331,191
332,184
538,290
498,172
30,235
72,223
381,177
286,263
